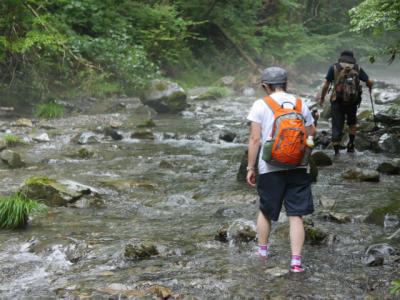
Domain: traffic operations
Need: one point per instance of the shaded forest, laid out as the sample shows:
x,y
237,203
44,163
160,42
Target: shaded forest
x,y
80,48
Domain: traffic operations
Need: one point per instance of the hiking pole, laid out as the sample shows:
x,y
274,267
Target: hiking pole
x,y
373,110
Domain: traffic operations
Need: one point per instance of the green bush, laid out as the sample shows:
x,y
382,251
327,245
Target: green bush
x,y
15,211
12,140
49,110
395,289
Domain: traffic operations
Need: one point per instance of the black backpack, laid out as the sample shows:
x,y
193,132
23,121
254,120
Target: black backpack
x,y
347,83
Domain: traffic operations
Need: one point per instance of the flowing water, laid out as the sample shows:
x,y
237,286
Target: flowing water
x,y
176,191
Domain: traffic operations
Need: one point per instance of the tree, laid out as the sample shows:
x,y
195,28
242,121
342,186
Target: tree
x,y
381,18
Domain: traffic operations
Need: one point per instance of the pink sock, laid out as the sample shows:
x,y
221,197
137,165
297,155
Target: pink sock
x,y
296,260
263,250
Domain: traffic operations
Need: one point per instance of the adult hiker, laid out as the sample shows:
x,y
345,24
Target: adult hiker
x,y
345,76
281,180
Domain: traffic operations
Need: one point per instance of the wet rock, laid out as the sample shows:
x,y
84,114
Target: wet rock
x,y
42,138
383,249
113,133
327,203
314,235
241,231
389,168
144,134
390,143
366,127
386,96
83,153
55,192
321,159
362,175
12,159
389,116
391,221
23,123
140,251
377,216
85,138
340,217
164,96
222,234
228,136
162,292
166,165
373,261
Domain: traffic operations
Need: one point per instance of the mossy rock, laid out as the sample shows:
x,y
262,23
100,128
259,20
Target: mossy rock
x,y
377,216
52,192
164,96
314,235
222,234
139,251
143,134
12,159
3,145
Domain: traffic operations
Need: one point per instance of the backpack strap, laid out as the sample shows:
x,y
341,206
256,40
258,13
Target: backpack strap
x,y
272,104
299,105
275,106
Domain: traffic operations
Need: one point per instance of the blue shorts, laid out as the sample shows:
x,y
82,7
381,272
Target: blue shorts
x,y
289,187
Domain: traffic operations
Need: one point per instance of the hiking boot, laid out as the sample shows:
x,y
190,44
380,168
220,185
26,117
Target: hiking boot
x,y
297,269
350,148
337,149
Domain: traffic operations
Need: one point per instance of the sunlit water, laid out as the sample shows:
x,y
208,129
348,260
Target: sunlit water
x,y
180,208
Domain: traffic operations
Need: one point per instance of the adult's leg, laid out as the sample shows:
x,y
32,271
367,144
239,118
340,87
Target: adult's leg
x,y
338,118
351,116
263,229
297,234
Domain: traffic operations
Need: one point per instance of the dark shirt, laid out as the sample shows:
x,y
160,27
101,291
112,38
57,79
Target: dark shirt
x,y
331,74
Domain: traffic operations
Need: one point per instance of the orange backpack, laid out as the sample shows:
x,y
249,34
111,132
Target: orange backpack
x,y
288,134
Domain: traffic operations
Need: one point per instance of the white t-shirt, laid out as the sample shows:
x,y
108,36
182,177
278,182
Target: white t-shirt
x,y
262,114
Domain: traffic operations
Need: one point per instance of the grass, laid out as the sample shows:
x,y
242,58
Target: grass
x,y
38,180
12,140
49,110
15,211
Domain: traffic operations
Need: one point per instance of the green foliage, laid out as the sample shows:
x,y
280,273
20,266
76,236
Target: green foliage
x,y
49,110
381,18
12,140
38,181
15,211
395,288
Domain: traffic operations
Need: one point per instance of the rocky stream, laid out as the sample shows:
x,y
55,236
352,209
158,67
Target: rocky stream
x,y
146,205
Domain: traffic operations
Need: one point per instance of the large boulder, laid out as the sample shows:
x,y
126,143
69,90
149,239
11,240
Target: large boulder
x,y
241,231
387,96
321,159
389,116
389,143
56,192
12,159
164,96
